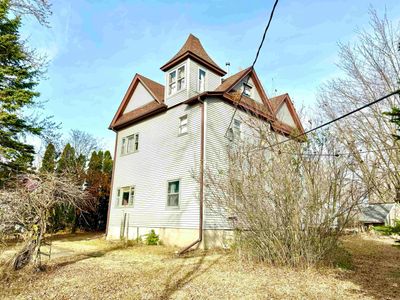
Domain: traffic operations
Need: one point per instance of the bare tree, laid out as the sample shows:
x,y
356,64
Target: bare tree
x,y
288,203
371,68
26,207
40,9
84,143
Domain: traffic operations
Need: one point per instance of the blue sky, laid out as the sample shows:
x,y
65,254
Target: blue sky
x,y
96,47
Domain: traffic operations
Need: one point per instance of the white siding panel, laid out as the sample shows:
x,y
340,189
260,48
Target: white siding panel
x,y
162,156
212,80
284,115
139,98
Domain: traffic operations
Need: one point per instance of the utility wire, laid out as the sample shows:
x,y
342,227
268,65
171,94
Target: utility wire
x,y
339,154
336,119
252,65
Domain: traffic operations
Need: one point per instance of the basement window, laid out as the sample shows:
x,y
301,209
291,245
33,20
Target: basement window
x,y
173,193
126,196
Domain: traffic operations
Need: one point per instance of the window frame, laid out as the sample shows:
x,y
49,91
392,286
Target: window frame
x,y
234,134
125,144
248,85
198,80
170,207
186,125
131,200
170,91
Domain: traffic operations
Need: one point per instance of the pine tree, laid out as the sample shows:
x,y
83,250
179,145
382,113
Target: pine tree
x,y
18,78
49,159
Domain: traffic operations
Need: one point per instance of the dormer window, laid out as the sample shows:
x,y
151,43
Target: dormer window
x,y
176,80
247,89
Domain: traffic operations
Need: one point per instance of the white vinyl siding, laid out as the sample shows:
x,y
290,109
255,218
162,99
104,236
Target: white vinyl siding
x,y
212,80
163,156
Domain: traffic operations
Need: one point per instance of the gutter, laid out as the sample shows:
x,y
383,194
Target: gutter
x,y
200,238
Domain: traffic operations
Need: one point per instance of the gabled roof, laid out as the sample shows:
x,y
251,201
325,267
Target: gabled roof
x,y
155,89
276,103
376,212
194,49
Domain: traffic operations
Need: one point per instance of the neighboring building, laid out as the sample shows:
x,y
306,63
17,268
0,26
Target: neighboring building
x,y
379,214
167,135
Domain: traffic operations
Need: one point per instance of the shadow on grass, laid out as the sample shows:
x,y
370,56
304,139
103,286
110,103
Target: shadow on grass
x,y
376,268
176,281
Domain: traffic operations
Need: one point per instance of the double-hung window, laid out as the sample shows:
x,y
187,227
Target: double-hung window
x,y
176,80
173,193
202,80
183,124
130,144
126,196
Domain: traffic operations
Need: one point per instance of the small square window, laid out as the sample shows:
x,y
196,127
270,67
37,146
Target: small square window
x,y
183,124
247,89
173,194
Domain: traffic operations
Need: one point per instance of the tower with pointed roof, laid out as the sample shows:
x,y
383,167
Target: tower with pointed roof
x,y
189,72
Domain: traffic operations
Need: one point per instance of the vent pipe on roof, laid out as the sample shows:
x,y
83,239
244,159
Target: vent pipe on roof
x,y
227,65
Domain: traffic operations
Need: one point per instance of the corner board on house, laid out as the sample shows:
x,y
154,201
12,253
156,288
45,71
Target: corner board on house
x,y
167,133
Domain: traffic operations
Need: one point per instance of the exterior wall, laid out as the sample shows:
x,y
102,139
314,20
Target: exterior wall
x,y
219,115
162,156
284,116
139,98
255,96
212,80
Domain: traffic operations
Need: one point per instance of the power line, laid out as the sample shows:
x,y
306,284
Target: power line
x,y
252,65
340,154
336,119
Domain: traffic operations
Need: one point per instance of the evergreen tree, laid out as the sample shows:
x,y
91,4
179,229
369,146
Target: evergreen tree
x,y
18,77
49,159
395,118
67,162
107,163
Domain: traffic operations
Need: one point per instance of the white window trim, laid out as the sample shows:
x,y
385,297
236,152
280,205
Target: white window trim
x,y
180,125
176,82
179,195
120,191
198,79
124,144
251,89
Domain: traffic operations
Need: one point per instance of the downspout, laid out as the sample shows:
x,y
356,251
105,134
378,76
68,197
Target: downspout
x,y
112,182
201,181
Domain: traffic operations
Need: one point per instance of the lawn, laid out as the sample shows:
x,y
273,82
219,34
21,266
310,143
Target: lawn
x,y
85,266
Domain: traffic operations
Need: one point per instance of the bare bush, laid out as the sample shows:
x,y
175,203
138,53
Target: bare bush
x,y
289,203
25,210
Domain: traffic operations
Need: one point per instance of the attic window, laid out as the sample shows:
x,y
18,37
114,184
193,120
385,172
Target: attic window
x,y
176,80
247,89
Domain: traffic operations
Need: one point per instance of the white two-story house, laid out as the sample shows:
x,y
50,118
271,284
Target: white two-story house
x,y
166,135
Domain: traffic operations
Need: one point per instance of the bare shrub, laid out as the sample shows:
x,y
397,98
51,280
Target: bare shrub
x,y
25,209
289,203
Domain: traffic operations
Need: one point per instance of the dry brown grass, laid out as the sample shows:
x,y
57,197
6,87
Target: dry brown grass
x,y
88,267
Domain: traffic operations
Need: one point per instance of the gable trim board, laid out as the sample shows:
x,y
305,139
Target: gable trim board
x,y
152,87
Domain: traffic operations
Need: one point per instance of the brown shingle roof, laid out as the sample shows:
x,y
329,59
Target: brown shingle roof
x,y
194,49
229,82
139,113
276,101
